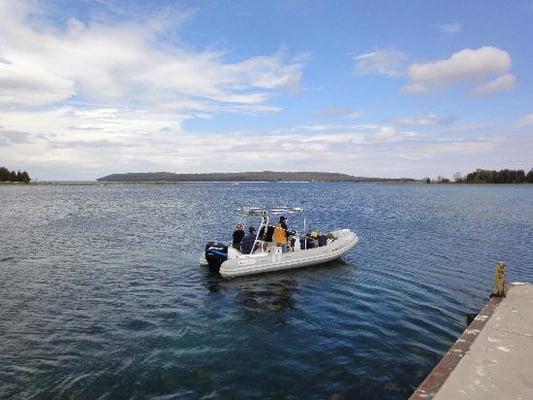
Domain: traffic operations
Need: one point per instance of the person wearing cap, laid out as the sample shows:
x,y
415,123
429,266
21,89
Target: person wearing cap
x,y
238,235
281,234
249,241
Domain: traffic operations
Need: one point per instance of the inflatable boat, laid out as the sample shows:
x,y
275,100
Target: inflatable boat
x,y
265,255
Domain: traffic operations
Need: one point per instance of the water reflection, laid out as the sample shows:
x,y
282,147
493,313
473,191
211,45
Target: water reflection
x,y
274,296
213,281
267,293
271,293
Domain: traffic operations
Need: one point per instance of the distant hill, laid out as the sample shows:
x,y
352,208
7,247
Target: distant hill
x,y
263,176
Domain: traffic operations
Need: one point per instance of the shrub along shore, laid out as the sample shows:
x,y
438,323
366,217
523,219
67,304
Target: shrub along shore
x,y
12,176
488,176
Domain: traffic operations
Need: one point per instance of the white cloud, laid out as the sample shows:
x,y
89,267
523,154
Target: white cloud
x,y
471,66
122,63
32,85
428,119
465,64
526,120
456,147
77,143
91,142
450,29
500,84
384,62
334,112
415,88
337,127
318,127
386,133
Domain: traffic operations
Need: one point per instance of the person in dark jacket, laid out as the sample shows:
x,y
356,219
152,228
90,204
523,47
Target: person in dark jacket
x,y
249,241
238,235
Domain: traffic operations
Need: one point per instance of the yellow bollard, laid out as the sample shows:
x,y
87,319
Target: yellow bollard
x,y
499,279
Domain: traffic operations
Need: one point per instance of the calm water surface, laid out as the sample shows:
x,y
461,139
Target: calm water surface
x,y
102,297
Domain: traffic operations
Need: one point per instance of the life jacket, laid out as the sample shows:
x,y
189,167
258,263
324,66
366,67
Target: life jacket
x,y
280,236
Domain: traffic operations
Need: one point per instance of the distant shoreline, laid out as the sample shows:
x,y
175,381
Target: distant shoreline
x,y
482,177
154,183
242,177
105,183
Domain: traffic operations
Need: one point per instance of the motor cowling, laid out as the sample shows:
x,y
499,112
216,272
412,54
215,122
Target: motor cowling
x,y
215,254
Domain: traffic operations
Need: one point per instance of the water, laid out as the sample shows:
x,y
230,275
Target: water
x,y
102,296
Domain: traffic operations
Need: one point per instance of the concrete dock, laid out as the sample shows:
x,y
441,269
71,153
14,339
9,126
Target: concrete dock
x,y
493,358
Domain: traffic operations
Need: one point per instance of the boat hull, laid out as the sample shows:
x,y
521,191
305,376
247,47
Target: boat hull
x,y
270,262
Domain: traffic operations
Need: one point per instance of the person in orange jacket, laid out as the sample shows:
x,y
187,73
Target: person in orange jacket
x,y
281,234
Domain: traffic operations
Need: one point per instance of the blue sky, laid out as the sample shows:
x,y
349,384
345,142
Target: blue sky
x,y
377,88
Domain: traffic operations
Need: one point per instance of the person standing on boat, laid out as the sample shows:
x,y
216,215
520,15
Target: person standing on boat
x,y
238,235
281,234
249,241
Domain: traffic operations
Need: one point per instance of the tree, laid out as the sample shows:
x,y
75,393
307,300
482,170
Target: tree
x,y
520,176
26,177
457,177
12,176
502,176
529,177
4,174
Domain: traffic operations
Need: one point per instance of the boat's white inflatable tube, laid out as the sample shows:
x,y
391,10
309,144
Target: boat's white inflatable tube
x,y
258,263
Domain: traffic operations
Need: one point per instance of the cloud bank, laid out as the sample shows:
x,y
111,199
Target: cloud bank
x,y
109,140
466,66
123,63
82,99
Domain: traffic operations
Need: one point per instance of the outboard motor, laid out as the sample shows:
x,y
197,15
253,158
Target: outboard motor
x,y
215,254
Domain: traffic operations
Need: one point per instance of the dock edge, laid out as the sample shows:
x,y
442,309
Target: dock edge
x,y
441,372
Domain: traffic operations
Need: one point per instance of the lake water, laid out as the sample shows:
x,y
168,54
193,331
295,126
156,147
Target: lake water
x,y
102,296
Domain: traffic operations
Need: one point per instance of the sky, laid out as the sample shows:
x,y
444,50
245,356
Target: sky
x,y
368,88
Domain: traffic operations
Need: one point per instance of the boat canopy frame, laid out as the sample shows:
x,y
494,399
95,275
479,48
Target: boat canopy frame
x,y
262,211
265,213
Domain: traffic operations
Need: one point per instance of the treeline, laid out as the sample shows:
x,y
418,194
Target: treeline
x,y
12,176
492,176
258,176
